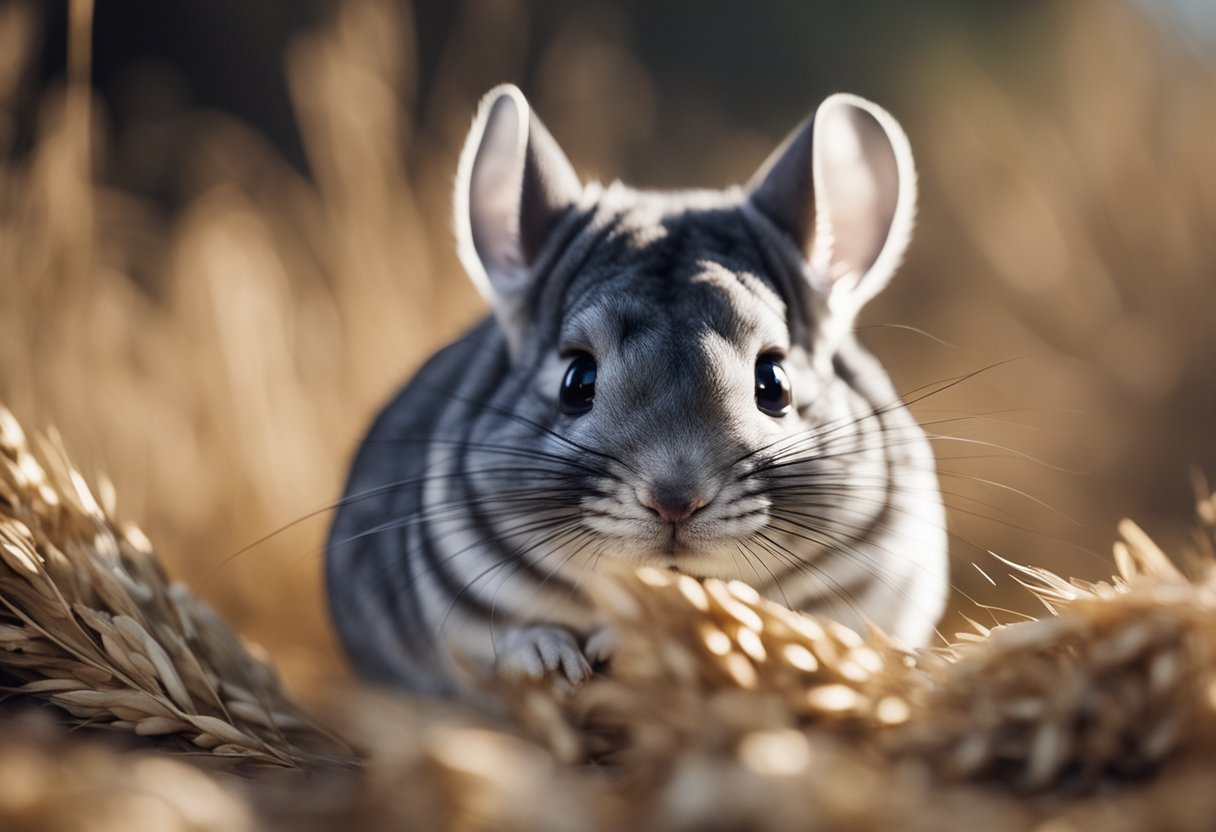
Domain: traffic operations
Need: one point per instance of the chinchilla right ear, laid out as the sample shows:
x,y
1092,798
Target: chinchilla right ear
x,y
512,186
842,186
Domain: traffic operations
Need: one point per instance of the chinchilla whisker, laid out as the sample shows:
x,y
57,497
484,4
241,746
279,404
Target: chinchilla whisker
x,y
812,481
513,471
513,560
382,571
505,450
387,488
852,420
916,395
910,328
583,538
453,511
830,494
530,526
1054,538
543,430
962,475
920,394
828,446
1022,455
601,547
754,559
868,562
835,589
905,400
903,436
848,549
800,456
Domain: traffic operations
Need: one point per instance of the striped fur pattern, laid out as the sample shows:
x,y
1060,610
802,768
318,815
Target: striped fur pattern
x,y
476,508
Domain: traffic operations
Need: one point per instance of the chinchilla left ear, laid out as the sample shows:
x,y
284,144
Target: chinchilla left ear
x,y
842,186
512,186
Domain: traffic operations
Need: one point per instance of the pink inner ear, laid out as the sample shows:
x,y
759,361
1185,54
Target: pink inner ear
x,y
494,188
515,184
843,187
856,194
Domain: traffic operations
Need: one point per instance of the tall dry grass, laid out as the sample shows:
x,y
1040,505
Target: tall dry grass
x,y
224,386
220,363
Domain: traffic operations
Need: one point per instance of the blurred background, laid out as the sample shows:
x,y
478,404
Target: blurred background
x,y
225,239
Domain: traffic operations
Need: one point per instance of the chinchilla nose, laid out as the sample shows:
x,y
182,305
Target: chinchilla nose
x,y
672,500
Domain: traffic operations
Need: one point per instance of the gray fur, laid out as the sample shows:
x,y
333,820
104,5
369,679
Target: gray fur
x,y
476,510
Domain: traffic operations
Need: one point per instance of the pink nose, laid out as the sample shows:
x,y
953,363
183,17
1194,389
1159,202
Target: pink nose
x,y
673,505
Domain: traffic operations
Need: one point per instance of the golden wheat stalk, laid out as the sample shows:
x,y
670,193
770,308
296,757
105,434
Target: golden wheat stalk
x,y
90,623
1118,680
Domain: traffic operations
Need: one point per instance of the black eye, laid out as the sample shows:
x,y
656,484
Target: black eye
x,y
578,386
773,394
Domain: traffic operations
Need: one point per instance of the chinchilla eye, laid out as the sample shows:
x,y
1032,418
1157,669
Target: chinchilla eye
x,y
578,386
773,393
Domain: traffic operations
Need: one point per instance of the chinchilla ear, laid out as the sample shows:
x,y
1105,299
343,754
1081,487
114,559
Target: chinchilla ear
x,y
512,186
843,187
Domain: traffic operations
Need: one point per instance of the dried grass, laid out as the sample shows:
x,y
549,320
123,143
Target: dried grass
x,y
721,709
90,623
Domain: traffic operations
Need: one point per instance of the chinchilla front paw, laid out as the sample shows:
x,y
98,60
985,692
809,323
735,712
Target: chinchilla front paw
x,y
539,652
